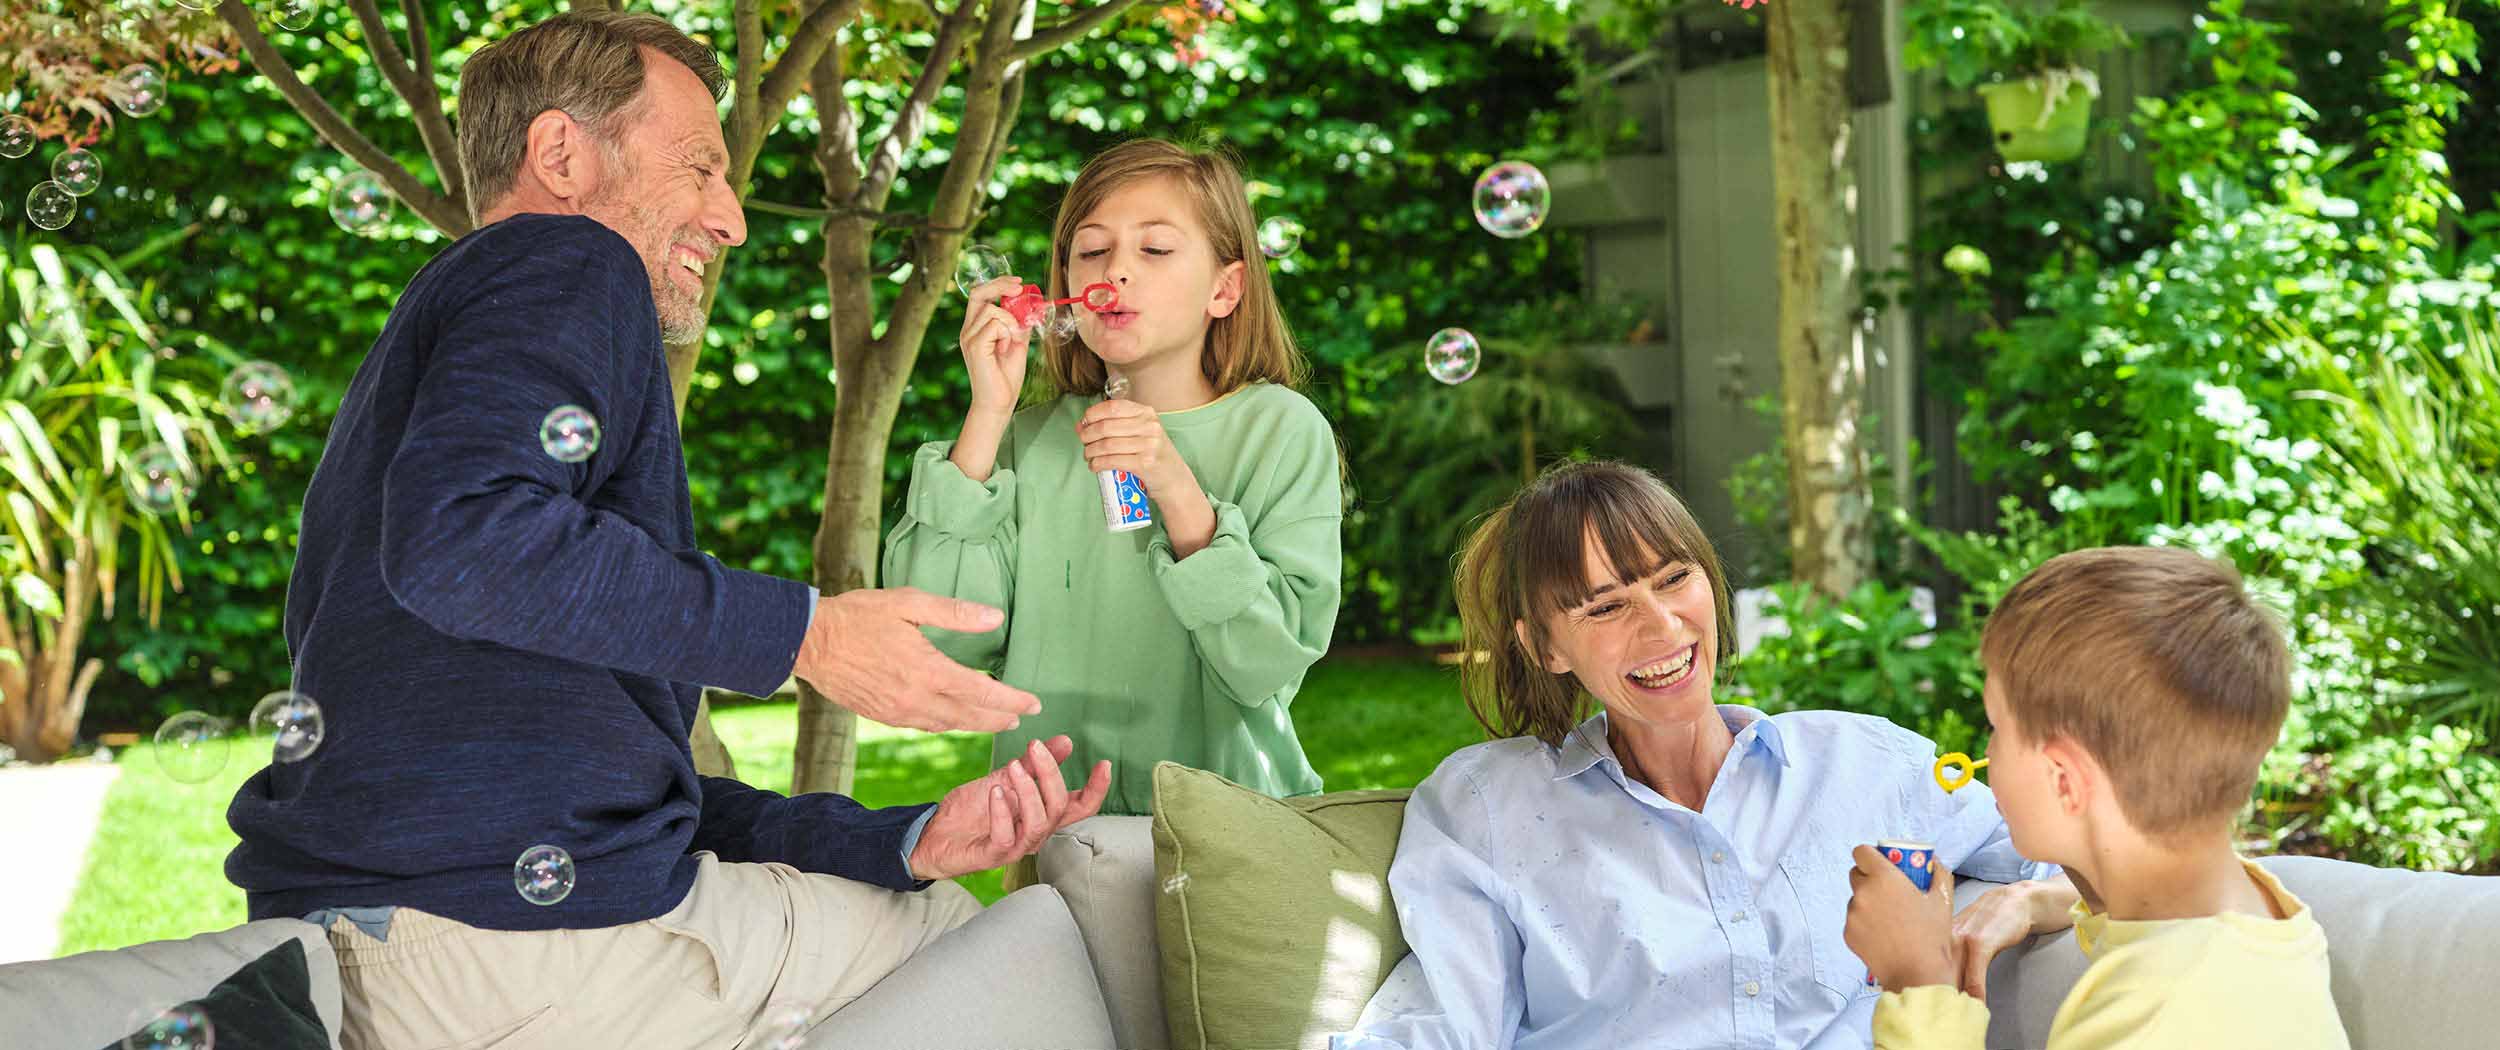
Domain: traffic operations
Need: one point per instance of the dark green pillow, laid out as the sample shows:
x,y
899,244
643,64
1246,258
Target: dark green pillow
x,y
266,1005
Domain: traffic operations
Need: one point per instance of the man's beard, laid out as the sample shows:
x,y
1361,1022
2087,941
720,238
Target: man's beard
x,y
680,312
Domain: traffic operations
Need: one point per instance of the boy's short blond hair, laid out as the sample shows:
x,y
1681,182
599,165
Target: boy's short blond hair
x,y
2158,663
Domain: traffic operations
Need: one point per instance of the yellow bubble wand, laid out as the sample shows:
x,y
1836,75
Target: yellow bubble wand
x,y
1966,769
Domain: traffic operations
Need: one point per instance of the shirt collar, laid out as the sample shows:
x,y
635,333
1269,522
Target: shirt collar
x,y
1587,745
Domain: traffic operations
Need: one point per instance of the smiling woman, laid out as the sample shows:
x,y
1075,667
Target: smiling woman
x,y
1526,861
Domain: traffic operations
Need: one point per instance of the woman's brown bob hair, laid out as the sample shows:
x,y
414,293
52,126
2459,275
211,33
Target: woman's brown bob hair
x,y
1526,563
1250,345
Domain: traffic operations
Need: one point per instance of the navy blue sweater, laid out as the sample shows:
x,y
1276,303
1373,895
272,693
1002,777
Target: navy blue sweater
x,y
507,648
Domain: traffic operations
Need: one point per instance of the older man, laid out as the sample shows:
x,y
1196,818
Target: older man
x,y
508,634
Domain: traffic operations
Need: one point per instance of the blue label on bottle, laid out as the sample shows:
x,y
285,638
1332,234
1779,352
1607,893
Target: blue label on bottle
x,y
1131,494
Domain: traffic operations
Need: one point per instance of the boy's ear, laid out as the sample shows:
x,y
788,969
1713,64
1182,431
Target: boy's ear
x,y
2074,776
1227,296
1554,663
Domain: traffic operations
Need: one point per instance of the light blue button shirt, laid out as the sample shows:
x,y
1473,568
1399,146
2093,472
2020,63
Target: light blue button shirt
x,y
1553,902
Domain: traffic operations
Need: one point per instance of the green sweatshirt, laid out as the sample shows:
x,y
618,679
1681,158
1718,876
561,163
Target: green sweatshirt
x,y
1139,658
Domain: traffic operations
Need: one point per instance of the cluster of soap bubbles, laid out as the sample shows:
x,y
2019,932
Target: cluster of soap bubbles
x,y
257,396
137,90
193,746
184,1026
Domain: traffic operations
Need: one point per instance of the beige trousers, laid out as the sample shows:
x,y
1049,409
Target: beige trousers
x,y
749,943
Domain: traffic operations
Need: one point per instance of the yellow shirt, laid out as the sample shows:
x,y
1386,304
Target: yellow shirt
x,y
2217,981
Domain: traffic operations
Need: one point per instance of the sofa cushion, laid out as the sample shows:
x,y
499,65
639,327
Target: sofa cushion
x,y
87,1000
2406,950
1274,914
1105,867
1014,976
266,1005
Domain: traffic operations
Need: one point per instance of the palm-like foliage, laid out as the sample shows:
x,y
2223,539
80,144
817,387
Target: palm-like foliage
x,y
93,396
2421,439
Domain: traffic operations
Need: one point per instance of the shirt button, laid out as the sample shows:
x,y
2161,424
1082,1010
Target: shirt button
x,y
1717,857
1753,988
1740,916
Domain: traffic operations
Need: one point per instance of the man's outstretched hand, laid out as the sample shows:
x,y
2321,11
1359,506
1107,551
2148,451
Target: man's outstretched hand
x,y
865,652
1006,815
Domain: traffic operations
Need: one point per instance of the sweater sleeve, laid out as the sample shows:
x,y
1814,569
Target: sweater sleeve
x,y
957,537
1260,600
1930,1017
488,537
822,833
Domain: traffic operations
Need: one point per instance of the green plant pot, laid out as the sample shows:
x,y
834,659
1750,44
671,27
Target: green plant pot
x,y
2014,113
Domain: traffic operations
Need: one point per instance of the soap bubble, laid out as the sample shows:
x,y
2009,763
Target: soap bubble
x,y
569,433
1511,198
361,204
138,89
783,1029
78,170
544,875
17,136
182,1027
55,318
1452,355
258,396
1115,386
191,747
1280,236
294,718
292,15
158,480
50,205
1061,322
977,265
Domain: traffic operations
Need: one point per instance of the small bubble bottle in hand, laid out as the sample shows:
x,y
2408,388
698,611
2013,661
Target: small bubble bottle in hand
x,y
1123,495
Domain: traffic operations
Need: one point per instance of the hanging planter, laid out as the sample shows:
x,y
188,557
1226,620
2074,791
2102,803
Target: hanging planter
x,y
2045,118
2041,103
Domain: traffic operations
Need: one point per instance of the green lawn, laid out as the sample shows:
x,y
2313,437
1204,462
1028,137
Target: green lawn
x,y
155,870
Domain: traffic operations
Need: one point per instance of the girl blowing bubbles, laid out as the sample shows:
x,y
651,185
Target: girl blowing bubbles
x,y
1186,640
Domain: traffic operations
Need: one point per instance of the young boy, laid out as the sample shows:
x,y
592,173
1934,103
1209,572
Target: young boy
x,y
2132,691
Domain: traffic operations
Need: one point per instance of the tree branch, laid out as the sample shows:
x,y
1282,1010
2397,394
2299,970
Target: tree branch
x,y
439,211
807,47
1069,30
746,124
914,116
897,219
424,106
966,172
837,136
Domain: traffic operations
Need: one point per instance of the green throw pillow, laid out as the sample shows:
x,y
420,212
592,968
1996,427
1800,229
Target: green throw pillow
x,y
1275,922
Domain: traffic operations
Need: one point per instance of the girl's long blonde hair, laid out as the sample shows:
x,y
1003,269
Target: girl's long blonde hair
x,y
1250,345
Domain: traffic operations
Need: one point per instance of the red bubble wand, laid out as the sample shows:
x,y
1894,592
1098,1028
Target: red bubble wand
x,y
1026,306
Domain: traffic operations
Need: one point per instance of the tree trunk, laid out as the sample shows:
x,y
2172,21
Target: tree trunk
x,y
43,692
1822,366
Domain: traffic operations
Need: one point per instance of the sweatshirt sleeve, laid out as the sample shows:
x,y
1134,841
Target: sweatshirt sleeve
x,y
1260,600
487,536
823,833
1930,1017
957,537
